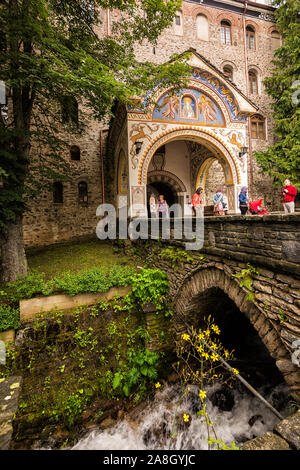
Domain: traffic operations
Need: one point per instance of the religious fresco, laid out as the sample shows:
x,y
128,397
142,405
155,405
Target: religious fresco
x,y
190,106
223,91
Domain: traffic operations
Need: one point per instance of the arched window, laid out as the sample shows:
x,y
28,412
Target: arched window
x,y
225,32
178,23
83,192
253,82
202,27
228,71
75,152
250,37
69,110
258,128
275,40
58,192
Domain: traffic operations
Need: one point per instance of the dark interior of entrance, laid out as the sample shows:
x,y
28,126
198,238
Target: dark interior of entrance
x,y
161,188
252,358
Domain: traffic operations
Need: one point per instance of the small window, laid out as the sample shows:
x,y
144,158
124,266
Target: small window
x,y
75,152
253,82
178,24
225,32
83,192
202,27
258,128
275,40
228,71
69,110
57,192
250,37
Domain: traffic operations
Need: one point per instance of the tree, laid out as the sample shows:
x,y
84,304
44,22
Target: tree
x,y
282,159
50,56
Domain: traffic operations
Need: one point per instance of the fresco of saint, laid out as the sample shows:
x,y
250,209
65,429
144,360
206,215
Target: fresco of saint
x,y
171,103
207,109
188,107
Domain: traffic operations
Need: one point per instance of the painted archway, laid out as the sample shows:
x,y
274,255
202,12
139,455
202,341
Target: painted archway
x,y
206,137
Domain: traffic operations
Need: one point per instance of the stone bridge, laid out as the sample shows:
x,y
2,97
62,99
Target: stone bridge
x,y
207,280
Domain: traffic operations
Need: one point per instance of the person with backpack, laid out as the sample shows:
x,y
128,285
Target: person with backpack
x,y
218,203
243,200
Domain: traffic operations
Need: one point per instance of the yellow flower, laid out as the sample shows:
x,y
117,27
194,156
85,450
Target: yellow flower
x,y
200,349
205,354
207,332
214,357
201,336
157,385
235,370
226,354
202,394
214,345
185,337
186,417
216,329
188,389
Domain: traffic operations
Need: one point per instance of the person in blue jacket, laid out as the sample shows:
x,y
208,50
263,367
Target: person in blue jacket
x,y
243,200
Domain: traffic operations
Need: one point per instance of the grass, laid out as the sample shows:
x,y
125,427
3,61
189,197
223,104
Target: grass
x,y
75,257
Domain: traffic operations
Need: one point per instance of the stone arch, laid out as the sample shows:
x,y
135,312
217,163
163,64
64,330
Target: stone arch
x,y
206,137
201,280
169,177
199,10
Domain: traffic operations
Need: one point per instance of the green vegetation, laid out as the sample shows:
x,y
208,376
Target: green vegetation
x,y
93,280
151,286
9,317
140,368
55,260
67,364
246,276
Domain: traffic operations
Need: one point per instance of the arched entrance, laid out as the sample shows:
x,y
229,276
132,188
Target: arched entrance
x,y
211,285
192,172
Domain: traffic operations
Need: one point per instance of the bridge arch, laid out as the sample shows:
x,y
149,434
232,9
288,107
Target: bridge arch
x,y
203,280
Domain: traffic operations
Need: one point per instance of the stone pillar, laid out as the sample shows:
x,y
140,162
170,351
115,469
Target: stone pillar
x,y
159,328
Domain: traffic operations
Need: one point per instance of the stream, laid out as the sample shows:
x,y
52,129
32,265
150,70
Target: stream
x,y
236,414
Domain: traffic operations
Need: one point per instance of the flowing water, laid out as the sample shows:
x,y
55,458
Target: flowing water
x,y
237,416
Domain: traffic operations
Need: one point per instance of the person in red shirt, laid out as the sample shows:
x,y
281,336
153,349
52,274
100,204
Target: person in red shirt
x,y
288,195
198,201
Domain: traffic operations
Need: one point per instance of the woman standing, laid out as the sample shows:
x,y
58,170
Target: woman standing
x,y
288,195
162,207
198,201
218,203
153,206
243,200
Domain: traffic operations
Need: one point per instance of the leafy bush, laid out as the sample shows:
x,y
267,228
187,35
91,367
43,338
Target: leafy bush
x,y
150,286
25,288
140,369
9,317
93,280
